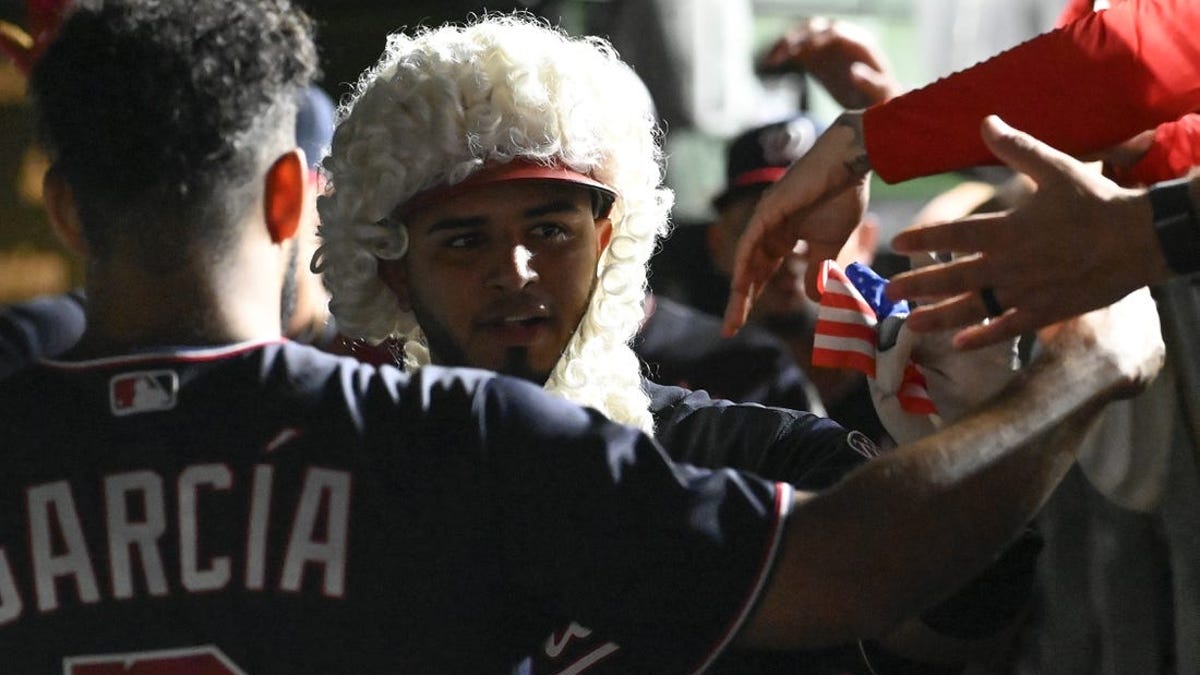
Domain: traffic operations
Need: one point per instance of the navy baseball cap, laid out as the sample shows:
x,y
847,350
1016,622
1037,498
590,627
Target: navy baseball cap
x,y
762,155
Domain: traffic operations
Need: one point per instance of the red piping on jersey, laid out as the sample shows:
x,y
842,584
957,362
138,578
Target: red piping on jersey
x,y
783,505
170,354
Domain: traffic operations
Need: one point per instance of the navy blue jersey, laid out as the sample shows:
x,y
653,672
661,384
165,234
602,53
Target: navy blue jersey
x,y
683,346
798,447
268,508
806,450
812,453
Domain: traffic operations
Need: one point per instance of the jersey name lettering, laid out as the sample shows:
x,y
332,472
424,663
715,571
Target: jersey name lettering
x,y
136,519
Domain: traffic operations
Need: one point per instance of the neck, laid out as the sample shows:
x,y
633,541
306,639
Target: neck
x,y
130,310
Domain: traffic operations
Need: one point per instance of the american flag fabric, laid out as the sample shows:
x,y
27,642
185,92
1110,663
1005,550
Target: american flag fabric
x,y
857,328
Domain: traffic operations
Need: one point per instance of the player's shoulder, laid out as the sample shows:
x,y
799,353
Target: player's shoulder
x,y
462,398
671,405
43,326
375,393
695,427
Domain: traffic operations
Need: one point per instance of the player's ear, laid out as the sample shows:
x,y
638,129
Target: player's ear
x,y
284,189
394,274
62,212
604,228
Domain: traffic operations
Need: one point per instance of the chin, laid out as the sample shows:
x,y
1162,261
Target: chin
x,y
516,362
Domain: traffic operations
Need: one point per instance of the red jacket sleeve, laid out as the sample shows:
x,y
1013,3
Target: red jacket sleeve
x,y
1075,9
1175,150
1084,87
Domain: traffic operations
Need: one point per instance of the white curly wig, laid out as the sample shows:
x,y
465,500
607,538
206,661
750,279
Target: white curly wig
x,y
442,104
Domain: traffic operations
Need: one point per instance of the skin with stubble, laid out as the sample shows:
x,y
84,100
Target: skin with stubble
x,y
500,277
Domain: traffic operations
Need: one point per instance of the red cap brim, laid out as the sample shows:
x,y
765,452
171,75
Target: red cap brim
x,y
518,169
759,177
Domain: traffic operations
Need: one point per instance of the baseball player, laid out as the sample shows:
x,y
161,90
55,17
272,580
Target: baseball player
x,y
50,325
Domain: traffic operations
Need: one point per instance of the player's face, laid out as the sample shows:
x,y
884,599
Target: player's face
x,y
499,277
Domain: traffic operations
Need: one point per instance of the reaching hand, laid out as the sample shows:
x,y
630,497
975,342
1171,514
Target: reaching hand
x,y
842,56
820,200
1079,243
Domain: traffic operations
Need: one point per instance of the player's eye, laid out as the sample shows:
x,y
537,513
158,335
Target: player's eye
x,y
463,241
551,231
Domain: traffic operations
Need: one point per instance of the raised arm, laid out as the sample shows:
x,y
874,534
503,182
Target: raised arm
x,y
1085,87
844,57
906,529
821,199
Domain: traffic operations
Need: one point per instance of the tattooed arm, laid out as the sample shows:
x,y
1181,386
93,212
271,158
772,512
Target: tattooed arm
x,y
820,200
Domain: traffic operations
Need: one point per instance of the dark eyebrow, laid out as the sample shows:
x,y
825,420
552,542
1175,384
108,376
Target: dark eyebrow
x,y
458,224
561,206
474,222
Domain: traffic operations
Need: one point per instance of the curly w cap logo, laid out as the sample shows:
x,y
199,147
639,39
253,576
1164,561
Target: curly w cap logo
x,y
147,391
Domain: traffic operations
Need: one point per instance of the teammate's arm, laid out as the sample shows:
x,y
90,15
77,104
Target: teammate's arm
x,y
907,529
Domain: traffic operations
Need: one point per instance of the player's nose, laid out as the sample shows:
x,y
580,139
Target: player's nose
x,y
511,268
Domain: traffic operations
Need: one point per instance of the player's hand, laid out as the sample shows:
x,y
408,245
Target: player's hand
x,y
843,57
1078,243
820,200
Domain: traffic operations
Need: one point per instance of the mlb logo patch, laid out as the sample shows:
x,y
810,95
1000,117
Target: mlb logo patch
x,y
146,391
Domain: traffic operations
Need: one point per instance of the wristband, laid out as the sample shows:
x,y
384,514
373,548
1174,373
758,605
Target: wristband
x,y
1176,224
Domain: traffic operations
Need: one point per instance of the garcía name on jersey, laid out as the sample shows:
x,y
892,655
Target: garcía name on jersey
x,y
160,535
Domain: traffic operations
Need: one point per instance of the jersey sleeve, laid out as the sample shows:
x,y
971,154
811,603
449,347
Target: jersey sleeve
x,y
800,448
1074,10
599,526
1086,86
42,327
1173,153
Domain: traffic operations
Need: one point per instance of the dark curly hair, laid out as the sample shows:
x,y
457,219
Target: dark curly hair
x,y
161,116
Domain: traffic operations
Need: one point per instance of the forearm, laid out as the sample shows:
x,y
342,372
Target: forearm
x,y
978,622
1087,86
909,528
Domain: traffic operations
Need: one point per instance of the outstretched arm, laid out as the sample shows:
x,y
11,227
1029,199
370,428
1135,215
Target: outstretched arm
x,y
1085,87
842,56
821,199
1078,243
1109,81
908,528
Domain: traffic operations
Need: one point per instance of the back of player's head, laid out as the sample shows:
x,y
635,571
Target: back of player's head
x,y
445,103
161,116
